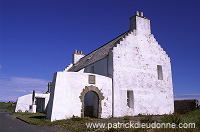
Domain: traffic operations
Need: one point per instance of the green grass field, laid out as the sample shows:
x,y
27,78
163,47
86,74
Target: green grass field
x,y
7,106
79,124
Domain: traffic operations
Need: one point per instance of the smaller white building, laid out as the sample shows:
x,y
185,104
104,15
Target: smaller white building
x,y
33,103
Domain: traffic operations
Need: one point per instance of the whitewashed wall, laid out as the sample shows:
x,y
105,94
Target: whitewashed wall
x,y
135,62
66,89
25,101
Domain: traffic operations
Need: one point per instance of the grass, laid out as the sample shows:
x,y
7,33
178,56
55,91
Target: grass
x,y
190,117
79,124
73,124
33,118
193,116
7,106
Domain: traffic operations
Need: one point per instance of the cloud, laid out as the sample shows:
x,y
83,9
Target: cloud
x,y
13,87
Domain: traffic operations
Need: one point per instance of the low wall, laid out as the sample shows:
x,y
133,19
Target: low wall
x,y
184,106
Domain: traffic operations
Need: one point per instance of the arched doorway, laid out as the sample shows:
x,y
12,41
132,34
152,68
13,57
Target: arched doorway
x,y
91,104
91,91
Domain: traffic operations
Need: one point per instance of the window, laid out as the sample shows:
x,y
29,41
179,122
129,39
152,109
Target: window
x,y
130,98
160,73
92,69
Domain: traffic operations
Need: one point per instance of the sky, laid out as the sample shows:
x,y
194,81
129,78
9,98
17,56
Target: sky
x,y
38,38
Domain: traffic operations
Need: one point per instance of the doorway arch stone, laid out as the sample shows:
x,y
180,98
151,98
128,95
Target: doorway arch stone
x,y
98,92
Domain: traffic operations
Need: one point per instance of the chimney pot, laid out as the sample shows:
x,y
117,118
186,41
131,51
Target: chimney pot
x,y
141,14
75,51
137,13
78,52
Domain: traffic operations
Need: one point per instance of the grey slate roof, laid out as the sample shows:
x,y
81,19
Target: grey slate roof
x,y
97,54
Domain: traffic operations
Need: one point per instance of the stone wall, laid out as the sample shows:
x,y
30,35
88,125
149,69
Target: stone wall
x,y
184,106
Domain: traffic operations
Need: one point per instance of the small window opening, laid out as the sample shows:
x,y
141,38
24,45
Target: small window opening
x,y
130,98
160,73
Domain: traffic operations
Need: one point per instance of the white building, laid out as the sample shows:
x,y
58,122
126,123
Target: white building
x,y
36,102
129,75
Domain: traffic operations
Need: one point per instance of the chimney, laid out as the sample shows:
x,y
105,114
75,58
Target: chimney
x,y
140,23
49,87
33,97
77,56
137,13
141,14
